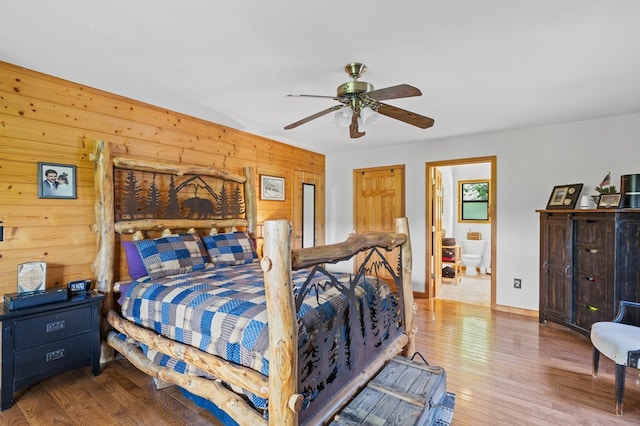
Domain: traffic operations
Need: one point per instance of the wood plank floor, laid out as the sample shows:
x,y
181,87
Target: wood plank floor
x,y
120,395
505,369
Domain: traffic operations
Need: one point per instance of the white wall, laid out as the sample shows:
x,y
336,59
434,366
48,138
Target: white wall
x,y
530,162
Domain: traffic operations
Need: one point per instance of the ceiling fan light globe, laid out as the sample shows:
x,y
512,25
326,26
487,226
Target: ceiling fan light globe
x,y
342,117
368,117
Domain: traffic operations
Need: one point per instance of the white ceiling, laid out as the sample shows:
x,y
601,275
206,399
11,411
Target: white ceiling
x,y
482,65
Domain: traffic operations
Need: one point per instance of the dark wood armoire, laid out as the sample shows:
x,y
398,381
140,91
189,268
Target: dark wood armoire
x,y
589,261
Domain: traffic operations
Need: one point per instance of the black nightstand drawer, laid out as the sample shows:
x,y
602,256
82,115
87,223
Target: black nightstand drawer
x,y
36,363
52,327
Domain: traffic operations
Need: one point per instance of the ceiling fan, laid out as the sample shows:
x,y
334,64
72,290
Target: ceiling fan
x,y
359,103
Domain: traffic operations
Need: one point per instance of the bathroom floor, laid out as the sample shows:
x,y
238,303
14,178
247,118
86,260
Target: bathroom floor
x,y
474,290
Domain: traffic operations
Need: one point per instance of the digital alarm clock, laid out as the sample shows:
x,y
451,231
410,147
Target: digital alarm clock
x,y
78,287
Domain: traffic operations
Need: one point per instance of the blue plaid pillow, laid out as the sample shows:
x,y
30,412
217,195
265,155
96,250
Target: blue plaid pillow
x,y
235,248
176,254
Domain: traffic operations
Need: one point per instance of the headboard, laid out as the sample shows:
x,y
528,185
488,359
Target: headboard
x,y
157,196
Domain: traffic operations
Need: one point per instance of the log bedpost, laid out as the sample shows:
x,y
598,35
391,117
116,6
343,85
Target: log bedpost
x,y
410,308
105,237
283,325
250,201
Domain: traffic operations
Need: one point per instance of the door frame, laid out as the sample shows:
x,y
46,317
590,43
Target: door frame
x,y
429,166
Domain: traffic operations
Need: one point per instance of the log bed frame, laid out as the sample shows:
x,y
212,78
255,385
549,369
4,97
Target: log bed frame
x,y
277,263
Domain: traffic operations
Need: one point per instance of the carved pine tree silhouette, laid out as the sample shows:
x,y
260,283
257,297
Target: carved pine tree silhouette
x,y
132,200
153,202
173,206
237,202
223,202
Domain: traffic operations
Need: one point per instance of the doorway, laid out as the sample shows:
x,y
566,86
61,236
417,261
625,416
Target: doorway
x,y
436,192
307,209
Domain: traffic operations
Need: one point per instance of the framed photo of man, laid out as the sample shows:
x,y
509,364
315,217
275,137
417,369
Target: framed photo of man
x,y
56,180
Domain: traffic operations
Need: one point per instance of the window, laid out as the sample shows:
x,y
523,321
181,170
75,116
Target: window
x,y
473,200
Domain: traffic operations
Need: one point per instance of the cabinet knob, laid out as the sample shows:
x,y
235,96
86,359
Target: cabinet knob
x,y
54,355
592,251
590,279
55,326
591,308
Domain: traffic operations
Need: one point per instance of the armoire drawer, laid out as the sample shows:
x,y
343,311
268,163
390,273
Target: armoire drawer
x,y
586,314
591,259
590,290
593,231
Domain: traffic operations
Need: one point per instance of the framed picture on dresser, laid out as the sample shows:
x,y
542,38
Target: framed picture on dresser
x,y
609,201
564,196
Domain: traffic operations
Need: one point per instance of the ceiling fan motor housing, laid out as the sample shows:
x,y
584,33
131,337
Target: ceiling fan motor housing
x,y
354,88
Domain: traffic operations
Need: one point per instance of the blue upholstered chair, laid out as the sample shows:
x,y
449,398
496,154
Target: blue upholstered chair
x,y
619,342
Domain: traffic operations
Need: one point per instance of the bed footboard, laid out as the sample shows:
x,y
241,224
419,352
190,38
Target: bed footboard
x,y
277,263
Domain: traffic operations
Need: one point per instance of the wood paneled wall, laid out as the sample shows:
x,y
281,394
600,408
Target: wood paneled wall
x,y
43,118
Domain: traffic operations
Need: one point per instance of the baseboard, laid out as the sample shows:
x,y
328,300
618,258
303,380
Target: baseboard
x,y
420,295
517,311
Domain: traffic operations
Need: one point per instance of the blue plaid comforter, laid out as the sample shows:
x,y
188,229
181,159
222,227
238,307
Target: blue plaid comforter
x,y
222,311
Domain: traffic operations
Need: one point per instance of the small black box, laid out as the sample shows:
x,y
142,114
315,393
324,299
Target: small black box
x,y
34,298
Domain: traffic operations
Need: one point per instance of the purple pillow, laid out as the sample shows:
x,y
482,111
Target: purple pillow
x,y
134,261
123,292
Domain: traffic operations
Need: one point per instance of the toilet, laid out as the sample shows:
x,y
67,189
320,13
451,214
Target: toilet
x,y
472,255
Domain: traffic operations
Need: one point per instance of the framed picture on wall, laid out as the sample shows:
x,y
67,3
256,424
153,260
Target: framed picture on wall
x,y
271,188
56,180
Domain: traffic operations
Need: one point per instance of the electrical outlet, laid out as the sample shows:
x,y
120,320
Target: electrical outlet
x,y
517,283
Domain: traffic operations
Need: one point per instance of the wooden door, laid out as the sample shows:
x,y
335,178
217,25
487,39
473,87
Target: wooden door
x,y
301,177
556,273
436,259
378,200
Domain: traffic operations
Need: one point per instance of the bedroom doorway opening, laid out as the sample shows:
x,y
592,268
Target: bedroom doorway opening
x,y
443,220
307,209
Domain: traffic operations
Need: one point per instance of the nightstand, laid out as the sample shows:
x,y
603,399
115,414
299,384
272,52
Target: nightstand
x,y
41,341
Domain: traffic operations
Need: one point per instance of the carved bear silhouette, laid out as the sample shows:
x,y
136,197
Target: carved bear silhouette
x,y
198,208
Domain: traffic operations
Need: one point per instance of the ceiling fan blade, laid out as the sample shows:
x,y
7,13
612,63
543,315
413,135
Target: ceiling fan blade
x,y
394,92
313,117
406,116
315,96
353,128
